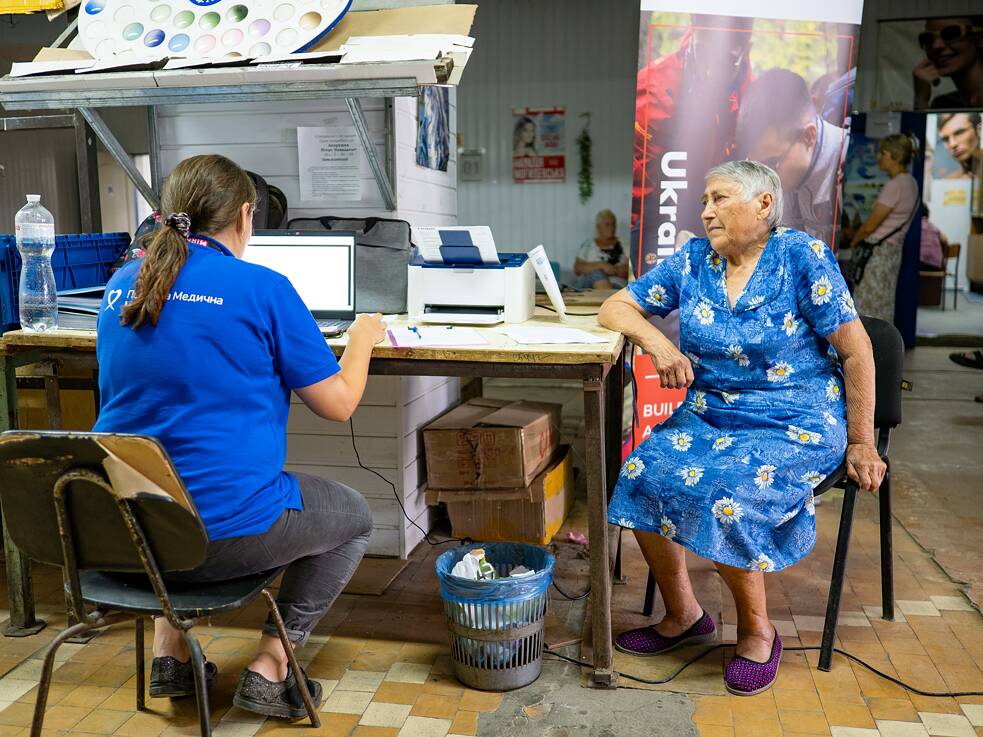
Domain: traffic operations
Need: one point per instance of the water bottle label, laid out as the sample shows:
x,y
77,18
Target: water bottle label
x,y
34,231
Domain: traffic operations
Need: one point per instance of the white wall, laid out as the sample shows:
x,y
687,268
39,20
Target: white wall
x,y
262,137
580,54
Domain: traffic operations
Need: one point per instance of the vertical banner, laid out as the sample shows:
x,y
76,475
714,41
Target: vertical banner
x,y
717,81
538,148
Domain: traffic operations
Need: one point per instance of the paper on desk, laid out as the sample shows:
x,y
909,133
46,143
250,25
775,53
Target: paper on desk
x,y
421,46
541,262
548,335
428,239
430,337
31,68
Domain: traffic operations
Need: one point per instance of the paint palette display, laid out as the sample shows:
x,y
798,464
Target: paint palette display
x,y
205,28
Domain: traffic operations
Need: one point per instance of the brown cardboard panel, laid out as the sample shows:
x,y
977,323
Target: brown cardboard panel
x,y
466,451
451,19
532,514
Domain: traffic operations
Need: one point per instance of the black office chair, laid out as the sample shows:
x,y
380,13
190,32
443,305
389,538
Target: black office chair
x,y
888,361
111,511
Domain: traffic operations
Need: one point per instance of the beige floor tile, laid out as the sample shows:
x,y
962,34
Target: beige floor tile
x,y
103,721
379,714
435,706
90,696
785,627
394,692
810,722
922,608
408,672
465,723
853,732
947,725
712,730
974,713
889,728
362,731
483,701
848,715
712,710
888,709
797,699
143,724
347,702
951,603
425,727
236,729
807,623
12,689
876,612
361,680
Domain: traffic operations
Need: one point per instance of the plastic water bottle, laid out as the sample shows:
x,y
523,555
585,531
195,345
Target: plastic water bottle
x,y
35,229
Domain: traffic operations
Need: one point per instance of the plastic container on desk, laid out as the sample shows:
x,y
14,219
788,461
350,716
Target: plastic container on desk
x,y
78,261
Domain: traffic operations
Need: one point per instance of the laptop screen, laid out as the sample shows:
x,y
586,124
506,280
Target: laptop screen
x,y
320,265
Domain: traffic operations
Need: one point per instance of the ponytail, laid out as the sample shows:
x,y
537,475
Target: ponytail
x,y
204,194
165,256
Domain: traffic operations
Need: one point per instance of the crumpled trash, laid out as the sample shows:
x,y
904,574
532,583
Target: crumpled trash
x,y
578,538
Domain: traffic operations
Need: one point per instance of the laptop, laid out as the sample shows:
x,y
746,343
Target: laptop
x,y
320,265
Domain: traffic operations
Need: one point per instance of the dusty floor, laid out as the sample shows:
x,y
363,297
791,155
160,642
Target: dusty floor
x,y
385,659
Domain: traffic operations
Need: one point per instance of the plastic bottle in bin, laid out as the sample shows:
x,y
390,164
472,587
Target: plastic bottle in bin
x,y
35,230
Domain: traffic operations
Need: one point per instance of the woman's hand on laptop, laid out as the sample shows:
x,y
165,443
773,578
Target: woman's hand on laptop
x,y
370,328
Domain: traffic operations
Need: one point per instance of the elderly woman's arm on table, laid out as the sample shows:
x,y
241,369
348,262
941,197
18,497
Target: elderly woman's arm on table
x,y
622,313
863,463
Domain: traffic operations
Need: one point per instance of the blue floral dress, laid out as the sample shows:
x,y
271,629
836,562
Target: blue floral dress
x,y
730,474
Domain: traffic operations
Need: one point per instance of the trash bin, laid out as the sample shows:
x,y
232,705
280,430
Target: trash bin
x,y
496,627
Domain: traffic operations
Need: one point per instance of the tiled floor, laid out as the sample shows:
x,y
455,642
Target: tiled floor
x,y
386,671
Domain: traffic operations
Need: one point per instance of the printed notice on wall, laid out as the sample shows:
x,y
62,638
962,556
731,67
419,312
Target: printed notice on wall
x,y
330,164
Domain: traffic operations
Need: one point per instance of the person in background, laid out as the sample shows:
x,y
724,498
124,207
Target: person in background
x,y
794,140
953,48
888,223
960,133
601,261
934,242
201,350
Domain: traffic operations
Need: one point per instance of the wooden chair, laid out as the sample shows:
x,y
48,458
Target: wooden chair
x,y
888,362
111,511
951,250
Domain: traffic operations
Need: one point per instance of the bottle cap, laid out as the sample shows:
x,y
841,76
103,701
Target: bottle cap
x,y
34,198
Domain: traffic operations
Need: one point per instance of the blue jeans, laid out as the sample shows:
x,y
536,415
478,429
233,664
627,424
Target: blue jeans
x,y
321,545
587,281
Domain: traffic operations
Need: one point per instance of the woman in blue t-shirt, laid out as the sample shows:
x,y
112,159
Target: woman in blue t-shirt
x,y
202,350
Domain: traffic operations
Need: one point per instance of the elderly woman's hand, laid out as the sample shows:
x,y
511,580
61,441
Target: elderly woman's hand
x,y
865,466
675,369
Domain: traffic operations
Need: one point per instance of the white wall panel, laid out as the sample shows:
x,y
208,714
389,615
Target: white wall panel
x,y
581,54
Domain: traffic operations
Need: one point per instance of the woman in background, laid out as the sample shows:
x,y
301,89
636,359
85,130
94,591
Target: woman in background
x,y
886,226
601,261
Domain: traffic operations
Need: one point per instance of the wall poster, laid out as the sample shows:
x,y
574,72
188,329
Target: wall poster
x,y
538,145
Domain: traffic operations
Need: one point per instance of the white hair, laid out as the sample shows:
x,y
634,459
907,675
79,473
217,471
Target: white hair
x,y
754,178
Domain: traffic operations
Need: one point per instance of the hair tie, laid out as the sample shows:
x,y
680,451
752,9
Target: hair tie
x,y
180,222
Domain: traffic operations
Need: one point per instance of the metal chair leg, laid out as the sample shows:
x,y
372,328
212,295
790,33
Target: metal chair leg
x,y
649,596
887,547
618,577
47,669
839,573
140,664
299,676
201,683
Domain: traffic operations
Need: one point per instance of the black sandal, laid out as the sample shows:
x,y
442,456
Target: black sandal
x,y
169,677
963,359
281,699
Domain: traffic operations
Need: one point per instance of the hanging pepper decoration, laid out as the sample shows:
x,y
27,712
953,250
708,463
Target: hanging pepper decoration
x,y
585,177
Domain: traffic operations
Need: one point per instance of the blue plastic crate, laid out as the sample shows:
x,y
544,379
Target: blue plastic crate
x,y
78,261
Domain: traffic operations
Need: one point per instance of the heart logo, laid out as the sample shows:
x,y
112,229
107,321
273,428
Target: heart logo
x,y
113,297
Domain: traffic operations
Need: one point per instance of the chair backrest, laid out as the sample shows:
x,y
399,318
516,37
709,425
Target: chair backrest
x,y
888,363
951,250
97,472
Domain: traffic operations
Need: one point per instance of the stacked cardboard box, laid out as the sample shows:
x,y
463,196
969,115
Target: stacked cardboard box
x,y
498,468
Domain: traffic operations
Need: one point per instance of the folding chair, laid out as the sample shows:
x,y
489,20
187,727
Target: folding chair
x,y
888,361
111,511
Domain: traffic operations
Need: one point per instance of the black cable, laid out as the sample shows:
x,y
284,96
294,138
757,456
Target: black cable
x,y
565,595
426,535
854,658
574,314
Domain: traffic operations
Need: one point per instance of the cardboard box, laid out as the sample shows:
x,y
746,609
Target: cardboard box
x,y
490,444
533,514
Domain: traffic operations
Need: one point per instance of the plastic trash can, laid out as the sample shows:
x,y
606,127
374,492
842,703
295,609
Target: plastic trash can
x,y
496,627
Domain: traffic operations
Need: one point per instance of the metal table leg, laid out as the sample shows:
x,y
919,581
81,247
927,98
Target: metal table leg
x,y
597,527
19,582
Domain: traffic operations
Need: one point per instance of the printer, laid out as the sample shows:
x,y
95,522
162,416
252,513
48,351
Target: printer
x,y
459,277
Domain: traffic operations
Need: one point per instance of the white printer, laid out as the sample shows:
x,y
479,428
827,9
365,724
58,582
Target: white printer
x,y
458,277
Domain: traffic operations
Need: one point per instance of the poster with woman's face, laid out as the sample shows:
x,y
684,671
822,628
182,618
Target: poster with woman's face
x,y
537,145
930,64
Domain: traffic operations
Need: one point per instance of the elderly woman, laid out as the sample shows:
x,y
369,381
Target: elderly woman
x,y
781,379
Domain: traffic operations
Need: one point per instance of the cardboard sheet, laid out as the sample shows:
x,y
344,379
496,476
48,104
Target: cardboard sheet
x,y
452,19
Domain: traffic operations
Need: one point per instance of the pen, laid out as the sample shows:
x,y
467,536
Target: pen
x,y
416,330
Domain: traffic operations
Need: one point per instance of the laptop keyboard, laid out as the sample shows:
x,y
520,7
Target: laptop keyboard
x,y
334,327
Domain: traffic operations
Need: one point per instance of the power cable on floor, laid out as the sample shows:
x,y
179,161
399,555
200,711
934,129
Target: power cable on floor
x,y
844,653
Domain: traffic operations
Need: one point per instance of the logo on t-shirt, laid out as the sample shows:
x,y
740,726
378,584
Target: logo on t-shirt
x,y
112,298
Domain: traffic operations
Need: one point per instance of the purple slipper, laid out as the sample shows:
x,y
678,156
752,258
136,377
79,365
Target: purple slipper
x,y
744,677
646,641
